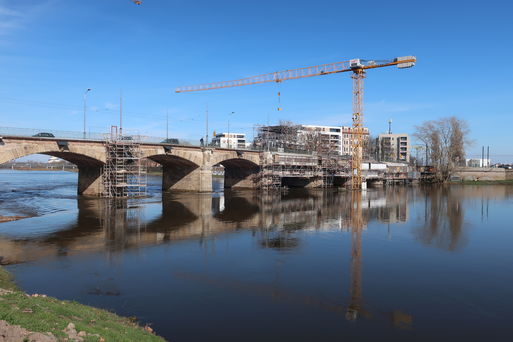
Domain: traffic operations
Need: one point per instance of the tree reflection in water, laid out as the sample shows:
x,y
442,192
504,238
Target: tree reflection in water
x,y
443,219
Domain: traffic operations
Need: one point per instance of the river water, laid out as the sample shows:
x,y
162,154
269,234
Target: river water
x,y
401,264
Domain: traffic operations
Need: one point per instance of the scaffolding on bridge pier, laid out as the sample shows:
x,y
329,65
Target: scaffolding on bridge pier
x,y
124,175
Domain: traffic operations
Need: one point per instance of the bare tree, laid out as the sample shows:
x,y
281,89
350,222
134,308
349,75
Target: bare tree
x,y
445,140
370,147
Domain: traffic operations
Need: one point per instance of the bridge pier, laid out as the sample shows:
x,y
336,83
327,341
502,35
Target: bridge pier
x,y
241,178
315,182
196,179
90,181
303,182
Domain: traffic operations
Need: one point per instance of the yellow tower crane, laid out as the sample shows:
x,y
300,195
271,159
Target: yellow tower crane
x,y
357,66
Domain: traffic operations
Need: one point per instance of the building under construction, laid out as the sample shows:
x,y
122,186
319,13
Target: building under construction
x,y
282,138
123,175
299,155
279,169
322,140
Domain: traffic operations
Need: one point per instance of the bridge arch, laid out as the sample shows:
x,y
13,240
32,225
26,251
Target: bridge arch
x,y
240,173
78,155
178,173
89,158
220,156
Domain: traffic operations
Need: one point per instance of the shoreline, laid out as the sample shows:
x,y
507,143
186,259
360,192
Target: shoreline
x,y
28,317
12,218
484,182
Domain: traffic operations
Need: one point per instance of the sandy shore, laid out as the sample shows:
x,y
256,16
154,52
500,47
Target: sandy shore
x,y
11,218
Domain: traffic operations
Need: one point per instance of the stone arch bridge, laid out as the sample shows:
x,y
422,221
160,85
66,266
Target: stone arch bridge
x,y
186,168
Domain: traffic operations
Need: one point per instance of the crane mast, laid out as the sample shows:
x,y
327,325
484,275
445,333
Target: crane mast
x,y
357,140
357,66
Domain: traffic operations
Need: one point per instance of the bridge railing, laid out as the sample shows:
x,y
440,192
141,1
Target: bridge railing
x,y
60,134
133,135
30,132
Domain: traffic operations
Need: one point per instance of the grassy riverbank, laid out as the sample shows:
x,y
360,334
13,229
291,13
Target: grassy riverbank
x,y
38,313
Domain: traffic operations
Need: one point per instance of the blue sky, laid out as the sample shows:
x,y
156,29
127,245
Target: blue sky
x,y
52,50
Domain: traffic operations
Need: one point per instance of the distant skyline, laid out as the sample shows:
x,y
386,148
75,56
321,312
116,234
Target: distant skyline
x,y
51,51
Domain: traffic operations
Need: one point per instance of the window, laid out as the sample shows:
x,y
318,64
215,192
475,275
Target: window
x,y
334,129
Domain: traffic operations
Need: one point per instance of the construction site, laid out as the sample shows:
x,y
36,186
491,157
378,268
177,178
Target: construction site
x,y
271,137
286,156
299,156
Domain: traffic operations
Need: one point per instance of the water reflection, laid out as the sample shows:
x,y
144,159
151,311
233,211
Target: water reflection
x,y
443,219
118,225
308,250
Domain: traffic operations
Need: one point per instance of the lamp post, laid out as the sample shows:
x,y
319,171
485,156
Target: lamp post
x,y
229,138
85,109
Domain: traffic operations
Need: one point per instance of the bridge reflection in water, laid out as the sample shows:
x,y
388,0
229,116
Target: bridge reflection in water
x,y
115,226
341,259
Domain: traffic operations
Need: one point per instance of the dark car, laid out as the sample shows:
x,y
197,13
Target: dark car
x,y
170,141
44,135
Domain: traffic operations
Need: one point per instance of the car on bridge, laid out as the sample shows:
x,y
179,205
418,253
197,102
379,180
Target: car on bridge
x,y
44,135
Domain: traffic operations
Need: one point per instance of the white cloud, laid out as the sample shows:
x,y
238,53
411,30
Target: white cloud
x,y
9,20
4,11
111,106
14,17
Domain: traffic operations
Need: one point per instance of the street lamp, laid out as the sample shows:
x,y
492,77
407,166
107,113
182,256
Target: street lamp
x,y
229,138
85,109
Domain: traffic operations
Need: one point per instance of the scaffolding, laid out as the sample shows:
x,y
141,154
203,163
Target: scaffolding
x,y
270,173
123,175
298,151
278,165
328,170
284,137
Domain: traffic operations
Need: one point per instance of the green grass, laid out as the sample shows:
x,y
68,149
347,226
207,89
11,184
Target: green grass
x,y
47,314
6,280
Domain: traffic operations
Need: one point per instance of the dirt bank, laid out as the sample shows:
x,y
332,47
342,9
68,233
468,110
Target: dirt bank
x,y
11,218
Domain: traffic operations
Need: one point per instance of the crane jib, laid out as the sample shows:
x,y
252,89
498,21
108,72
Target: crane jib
x,y
318,70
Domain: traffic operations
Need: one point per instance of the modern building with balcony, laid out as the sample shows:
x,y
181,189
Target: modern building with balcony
x,y
230,140
394,147
311,138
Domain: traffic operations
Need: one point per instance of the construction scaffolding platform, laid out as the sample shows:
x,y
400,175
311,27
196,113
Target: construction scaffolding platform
x,y
124,175
275,166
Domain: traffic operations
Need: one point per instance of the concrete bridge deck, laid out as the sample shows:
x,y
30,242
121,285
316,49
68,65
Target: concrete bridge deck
x,y
185,168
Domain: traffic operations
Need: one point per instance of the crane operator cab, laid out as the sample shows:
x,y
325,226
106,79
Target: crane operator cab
x,y
355,63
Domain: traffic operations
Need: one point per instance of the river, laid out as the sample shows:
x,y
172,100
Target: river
x,y
401,264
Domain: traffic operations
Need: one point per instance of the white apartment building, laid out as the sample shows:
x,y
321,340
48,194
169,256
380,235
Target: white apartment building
x,y
347,137
336,138
230,140
394,147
